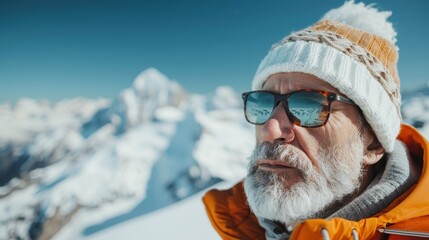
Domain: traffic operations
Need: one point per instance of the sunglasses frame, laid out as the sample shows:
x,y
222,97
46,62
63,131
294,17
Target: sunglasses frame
x,y
284,98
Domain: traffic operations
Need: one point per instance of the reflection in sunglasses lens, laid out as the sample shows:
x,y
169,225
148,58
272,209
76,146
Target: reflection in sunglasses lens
x,y
259,106
308,107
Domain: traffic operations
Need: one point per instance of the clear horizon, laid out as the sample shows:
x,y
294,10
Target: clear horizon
x,y
56,50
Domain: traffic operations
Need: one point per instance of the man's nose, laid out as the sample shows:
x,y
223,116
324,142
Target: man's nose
x,y
278,127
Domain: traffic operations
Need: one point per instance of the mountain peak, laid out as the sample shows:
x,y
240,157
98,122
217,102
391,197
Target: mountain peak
x,y
151,90
149,78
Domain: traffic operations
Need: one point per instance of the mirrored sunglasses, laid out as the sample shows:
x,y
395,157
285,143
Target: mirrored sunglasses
x,y
305,108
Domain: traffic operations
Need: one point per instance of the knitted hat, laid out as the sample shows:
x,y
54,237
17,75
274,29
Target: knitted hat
x,y
353,49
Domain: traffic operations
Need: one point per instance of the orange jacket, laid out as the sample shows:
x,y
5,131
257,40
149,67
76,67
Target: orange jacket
x,y
231,217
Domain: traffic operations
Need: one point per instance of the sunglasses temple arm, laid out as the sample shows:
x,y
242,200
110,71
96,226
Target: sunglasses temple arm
x,y
345,100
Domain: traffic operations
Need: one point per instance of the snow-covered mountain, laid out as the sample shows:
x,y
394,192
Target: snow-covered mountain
x,y
104,162
88,169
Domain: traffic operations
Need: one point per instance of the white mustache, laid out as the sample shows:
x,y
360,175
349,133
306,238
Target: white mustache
x,y
280,152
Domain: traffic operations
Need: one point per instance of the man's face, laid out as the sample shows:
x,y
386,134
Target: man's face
x,y
295,172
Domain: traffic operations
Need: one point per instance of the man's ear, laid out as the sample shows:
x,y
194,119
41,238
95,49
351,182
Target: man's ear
x,y
373,152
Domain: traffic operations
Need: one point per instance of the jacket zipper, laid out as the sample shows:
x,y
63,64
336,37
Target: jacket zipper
x,y
404,232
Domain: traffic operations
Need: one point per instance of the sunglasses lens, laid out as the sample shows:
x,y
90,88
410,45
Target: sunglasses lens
x,y
309,108
259,106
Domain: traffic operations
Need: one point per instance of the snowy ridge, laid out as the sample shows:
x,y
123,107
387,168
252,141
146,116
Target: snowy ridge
x,y
90,156
150,91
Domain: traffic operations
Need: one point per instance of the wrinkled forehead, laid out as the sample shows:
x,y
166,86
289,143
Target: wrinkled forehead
x,y
292,81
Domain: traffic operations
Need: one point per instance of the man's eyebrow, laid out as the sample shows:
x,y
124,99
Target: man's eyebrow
x,y
263,85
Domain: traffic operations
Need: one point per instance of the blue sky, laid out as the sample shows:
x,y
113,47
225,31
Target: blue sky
x,y
64,49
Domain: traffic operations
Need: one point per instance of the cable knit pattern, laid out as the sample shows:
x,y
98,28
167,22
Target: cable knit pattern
x,y
375,67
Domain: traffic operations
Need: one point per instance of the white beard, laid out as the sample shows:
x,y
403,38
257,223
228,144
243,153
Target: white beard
x,y
339,175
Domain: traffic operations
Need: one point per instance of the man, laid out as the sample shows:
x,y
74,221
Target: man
x,y
332,159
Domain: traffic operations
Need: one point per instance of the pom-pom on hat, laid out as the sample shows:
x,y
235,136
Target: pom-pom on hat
x,y
353,49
